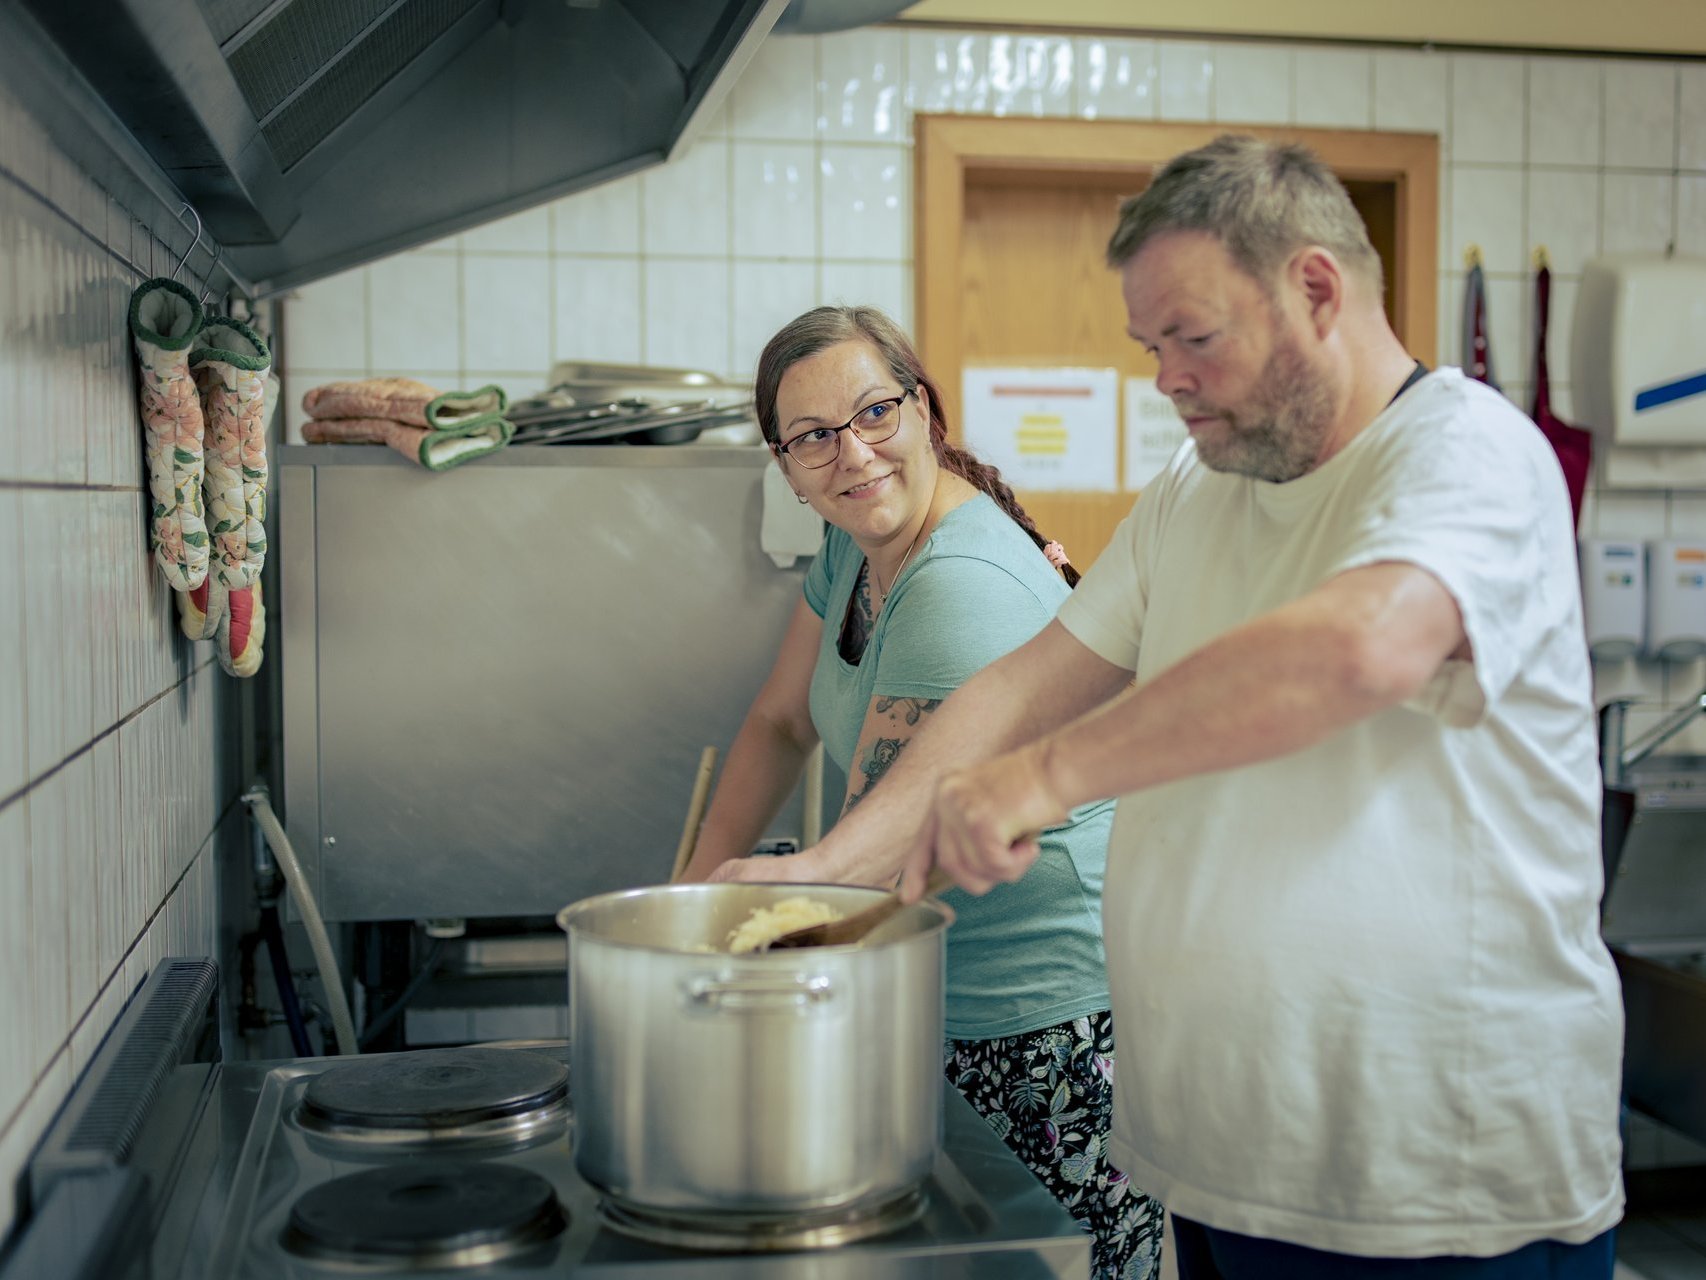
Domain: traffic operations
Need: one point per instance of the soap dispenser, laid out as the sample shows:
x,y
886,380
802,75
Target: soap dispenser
x,y
1614,597
1676,599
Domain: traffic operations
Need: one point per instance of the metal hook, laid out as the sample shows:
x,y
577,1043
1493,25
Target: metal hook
x,y
193,243
207,279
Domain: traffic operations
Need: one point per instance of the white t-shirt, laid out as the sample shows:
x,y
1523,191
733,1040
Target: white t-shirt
x,y
1359,991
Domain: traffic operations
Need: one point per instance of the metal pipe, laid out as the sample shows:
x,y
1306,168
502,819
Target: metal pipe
x,y
1661,733
343,1025
272,931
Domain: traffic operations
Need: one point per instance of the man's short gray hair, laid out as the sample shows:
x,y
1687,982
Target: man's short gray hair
x,y
1262,200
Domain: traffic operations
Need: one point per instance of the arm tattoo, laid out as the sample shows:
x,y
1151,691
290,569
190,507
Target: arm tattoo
x,y
913,709
885,751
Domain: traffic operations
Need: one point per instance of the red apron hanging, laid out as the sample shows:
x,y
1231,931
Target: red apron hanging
x,y
1573,446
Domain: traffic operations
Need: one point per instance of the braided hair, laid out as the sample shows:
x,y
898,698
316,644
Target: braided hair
x,y
825,327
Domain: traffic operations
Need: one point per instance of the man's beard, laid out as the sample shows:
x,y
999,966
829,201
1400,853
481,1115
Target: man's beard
x,y
1277,435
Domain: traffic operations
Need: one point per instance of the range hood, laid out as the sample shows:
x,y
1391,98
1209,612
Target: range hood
x,y
314,135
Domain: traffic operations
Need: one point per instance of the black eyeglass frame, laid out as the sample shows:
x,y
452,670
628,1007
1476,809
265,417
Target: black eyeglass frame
x,y
783,450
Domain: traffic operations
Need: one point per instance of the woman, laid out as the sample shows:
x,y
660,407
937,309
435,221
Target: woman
x,y
929,571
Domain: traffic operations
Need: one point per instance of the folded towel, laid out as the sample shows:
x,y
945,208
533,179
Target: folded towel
x,y
435,450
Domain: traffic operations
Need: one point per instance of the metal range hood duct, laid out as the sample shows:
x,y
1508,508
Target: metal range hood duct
x,y
315,135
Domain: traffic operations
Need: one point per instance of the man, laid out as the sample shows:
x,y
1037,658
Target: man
x,y
1364,1015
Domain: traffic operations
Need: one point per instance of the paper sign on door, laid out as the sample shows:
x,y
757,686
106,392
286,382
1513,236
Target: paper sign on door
x,y
1153,430
1047,429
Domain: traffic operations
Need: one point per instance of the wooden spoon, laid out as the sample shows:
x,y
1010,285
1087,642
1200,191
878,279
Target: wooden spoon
x,y
853,928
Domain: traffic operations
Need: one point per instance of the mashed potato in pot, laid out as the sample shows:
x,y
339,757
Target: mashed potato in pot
x,y
766,924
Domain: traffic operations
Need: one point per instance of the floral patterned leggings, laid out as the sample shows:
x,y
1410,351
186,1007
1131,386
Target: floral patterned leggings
x,y
1049,1095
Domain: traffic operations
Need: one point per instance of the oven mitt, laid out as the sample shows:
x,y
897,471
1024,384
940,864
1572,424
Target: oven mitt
x,y
164,320
459,408
437,430
231,363
233,617
395,399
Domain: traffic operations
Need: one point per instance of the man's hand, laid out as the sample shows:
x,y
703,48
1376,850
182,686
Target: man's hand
x,y
983,830
793,868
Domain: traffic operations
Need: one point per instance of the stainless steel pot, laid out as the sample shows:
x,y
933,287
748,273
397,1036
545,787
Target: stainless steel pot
x,y
761,1084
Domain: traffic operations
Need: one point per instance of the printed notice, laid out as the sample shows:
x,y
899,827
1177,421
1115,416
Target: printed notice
x,y
1048,429
1153,430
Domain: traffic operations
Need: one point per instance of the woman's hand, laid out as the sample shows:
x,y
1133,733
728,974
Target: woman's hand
x,y
795,868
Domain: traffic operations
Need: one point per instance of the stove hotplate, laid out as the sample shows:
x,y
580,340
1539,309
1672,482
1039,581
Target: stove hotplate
x,y
297,1185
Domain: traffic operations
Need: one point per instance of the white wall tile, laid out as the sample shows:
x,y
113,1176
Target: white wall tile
x,y
50,909
1253,83
110,544
108,843
1691,116
17,1068
686,202
14,702
775,204
1687,519
46,514
1563,215
1563,111
872,284
1031,75
1691,214
1640,115
867,202
526,232
947,72
1629,515
1116,78
1334,88
1186,81
1637,212
325,324
766,295
1564,291
77,853
776,96
506,312
603,219
598,309
1504,303
862,85
416,313
1487,100
1486,210
76,606
686,318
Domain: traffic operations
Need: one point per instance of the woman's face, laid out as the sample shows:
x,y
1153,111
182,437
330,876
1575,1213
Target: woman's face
x,y
871,490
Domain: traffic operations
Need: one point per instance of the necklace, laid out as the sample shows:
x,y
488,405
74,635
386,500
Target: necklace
x,y
883,591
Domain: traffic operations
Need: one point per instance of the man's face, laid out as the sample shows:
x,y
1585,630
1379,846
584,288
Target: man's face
x,y
1235,367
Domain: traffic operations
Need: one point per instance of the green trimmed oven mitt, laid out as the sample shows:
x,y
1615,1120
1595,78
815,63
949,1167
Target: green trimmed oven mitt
x,y
437,430
230,363
164,320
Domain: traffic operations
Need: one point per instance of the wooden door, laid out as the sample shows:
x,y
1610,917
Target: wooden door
x,y
1013,218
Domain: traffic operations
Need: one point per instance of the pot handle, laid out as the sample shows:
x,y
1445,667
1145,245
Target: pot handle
x,y
757,993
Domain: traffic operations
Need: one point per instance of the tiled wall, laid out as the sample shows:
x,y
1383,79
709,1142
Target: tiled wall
x,y
115,734
800,192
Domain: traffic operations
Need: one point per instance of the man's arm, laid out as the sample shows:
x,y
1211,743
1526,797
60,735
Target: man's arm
x,y
1362,642
1044,683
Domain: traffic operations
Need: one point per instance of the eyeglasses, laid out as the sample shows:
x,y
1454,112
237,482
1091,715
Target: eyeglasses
x,y
822,445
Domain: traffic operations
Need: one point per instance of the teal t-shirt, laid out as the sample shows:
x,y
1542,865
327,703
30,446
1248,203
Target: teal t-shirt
x,y
1027,955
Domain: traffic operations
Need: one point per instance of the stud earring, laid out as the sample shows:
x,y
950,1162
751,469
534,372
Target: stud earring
x,y
800,498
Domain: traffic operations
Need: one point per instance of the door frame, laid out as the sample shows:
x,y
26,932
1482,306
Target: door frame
x,y
950,150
